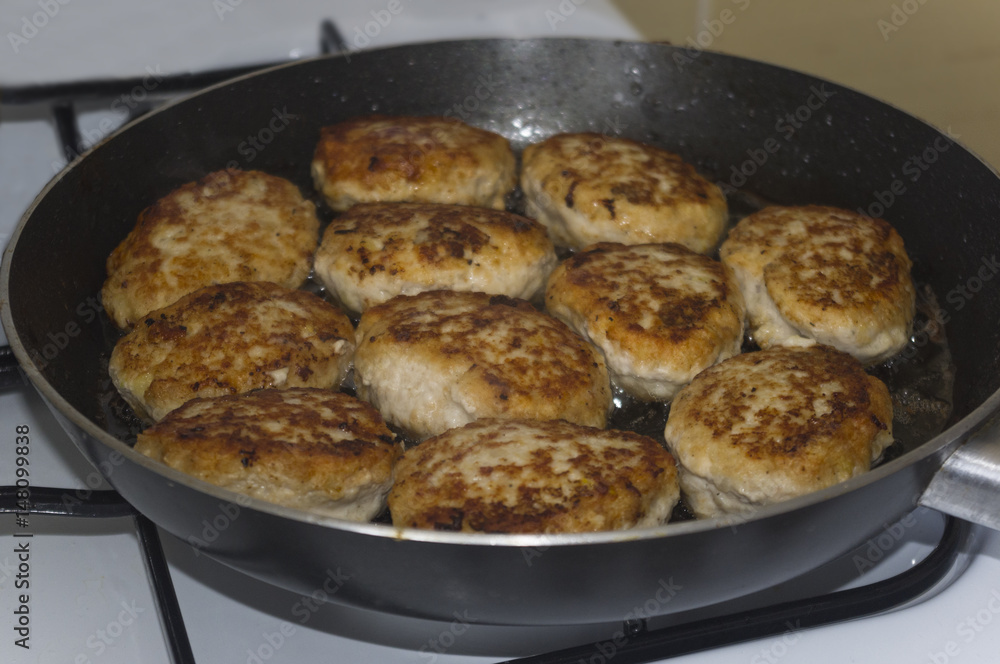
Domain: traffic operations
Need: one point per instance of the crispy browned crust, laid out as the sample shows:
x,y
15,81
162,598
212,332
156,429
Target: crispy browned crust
x,y
518,476
229,226
230,339
835,275
589,188
658,311
498,355
781,422
376,251
402,158
299,447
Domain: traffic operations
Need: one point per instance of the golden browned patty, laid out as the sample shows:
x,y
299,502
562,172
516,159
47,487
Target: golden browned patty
x,y
229,226
316,450
763,427
420,159
660,313
376,251
523,476
442,359
818,274
589,188
231,339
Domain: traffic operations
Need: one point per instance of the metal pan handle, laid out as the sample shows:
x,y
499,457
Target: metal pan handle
x,y
968,483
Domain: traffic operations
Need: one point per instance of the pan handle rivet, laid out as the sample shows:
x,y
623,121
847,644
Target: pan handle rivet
x,y
634,626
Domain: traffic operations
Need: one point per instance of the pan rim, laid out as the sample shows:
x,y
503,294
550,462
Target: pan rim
x,y
941,444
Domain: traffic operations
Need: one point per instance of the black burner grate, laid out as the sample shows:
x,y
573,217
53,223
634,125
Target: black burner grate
x,y
769,621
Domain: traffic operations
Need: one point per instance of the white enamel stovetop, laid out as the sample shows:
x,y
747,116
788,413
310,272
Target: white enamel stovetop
x,y
88,597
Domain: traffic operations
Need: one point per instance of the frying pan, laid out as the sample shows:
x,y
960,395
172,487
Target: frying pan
x,y
775,133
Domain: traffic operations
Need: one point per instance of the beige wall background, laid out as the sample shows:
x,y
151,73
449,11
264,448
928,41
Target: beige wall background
x,y
936,59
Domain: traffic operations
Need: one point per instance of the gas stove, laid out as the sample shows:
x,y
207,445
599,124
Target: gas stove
x,y
90,581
